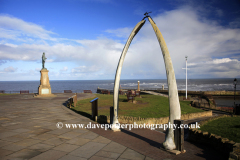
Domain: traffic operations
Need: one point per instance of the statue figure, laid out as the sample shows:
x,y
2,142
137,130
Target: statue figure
x,y
43,60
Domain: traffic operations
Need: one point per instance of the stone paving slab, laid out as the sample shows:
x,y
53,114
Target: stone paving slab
x,y
4,143
89,135
78,141
88,150
101,139
21,130
100,158
7,134
70,157
59,131
21,135
5,152
66,147
27,142
44,136
106,154
41,147
13,147
80,130
131,154
49,155
69,135
114,147
23,154
55,141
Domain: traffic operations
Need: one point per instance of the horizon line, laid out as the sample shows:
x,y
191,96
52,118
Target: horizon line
x,y
113,79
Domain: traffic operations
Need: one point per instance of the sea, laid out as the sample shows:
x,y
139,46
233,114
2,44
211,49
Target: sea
x,y
77,86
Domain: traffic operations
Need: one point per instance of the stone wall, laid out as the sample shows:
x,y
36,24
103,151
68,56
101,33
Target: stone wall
x,y
183,92
214,93
195,103
221,144
162,120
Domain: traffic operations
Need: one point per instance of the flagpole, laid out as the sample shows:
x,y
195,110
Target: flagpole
x,y
186,76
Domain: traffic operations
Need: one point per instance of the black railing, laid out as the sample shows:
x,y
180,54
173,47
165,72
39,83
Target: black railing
x,y
36,91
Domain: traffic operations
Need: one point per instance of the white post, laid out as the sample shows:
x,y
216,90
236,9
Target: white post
x,y
186,77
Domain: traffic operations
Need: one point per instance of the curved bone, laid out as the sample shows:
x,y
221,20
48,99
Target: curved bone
x,y
115,125
174,106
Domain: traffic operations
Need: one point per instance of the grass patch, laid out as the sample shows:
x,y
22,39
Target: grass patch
x,y
5,94
227,127
149,106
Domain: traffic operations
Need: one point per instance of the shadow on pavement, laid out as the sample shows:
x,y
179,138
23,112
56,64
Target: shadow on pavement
x,y
151,142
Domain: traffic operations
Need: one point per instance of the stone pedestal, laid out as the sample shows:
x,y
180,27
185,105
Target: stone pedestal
x,y
44,88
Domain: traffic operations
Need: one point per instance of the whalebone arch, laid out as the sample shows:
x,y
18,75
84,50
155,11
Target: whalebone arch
x,y
174,105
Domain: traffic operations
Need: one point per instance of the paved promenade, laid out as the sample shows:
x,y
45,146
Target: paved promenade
x,y
28,131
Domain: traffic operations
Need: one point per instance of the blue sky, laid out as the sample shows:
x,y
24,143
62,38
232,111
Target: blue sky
x,y
83,39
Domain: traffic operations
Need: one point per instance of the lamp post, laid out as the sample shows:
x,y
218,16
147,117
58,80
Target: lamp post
x,y
186,76
235,86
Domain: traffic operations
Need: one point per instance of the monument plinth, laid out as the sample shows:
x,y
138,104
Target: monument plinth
x,y
44,87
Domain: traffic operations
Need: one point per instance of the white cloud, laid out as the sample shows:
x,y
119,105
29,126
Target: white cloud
x,y
9,34
219,12
235,24
64,69
223,60
191,64
222,68
49,60
37,69
13,28
85,69
120,32
10,69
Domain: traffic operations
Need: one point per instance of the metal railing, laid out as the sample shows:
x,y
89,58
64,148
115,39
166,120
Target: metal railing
x,y
72,101
36,91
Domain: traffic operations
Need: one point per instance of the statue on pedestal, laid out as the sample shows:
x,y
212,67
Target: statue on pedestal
x,y
43,60
44,88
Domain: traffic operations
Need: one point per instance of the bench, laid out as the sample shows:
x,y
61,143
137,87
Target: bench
x,y
2,91
132,92
137,93
131,95
87,91
67,91
24,91
184,98
121,92
106,92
